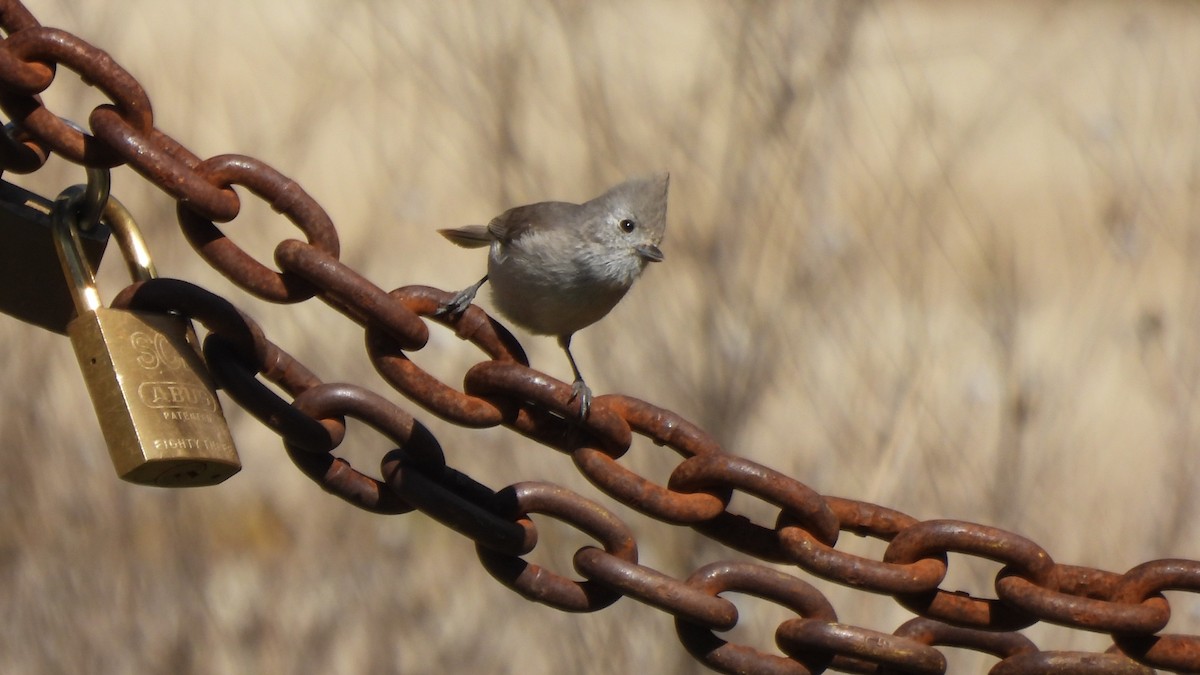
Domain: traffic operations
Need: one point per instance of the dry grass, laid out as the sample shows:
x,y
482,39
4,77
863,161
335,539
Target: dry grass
x,y
940,257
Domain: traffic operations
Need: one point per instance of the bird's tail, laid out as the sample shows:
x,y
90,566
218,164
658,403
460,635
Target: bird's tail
x,y
468,236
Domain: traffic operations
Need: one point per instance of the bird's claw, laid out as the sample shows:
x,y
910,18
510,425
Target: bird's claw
x,y
580,390
457,305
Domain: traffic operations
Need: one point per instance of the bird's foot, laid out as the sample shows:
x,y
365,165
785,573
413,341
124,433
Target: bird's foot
x,y
458,304
580,390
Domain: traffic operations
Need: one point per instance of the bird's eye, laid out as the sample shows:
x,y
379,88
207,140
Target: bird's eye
x,y
627,225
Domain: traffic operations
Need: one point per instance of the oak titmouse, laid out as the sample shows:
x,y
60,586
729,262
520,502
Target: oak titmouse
x,y
557,267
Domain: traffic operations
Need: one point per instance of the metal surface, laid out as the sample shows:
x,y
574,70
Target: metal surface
x,y
32,286
161,419
156,404
503,390
542,585
768,584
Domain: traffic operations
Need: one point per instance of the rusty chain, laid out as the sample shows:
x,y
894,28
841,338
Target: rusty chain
x,y
504,390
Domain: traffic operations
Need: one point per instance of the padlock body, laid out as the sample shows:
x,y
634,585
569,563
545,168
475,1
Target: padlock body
x,y
154,399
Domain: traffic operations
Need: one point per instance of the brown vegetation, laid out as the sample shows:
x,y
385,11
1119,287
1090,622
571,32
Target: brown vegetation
x,y
942,257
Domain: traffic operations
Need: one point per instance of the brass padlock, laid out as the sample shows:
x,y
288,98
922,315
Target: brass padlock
x,y
153,395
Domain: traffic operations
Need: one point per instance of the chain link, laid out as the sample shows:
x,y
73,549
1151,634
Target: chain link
x,y
504,390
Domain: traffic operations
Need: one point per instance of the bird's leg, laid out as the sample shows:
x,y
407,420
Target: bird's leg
x,y
579,389
461,301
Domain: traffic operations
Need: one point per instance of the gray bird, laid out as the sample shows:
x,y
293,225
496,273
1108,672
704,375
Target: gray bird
x,y
558,267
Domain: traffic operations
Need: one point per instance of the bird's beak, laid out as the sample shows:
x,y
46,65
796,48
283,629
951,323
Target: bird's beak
x,y
649,252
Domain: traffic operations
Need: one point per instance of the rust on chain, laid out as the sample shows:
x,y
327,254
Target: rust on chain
x,y
804,549
214,312
351,293
721,471
327,402
330,404
869,520
167,164
22,78
17,75
286,197
1176,653
20,152
547,414
1069,662
460,503
934,633
1148,579
762,582
14,16
935,538
852,648
96,68
237,376
1031,587
1169,652
656,589
236,350
1083,600
665,428
541,585
473,325
339,478
526,384
282,369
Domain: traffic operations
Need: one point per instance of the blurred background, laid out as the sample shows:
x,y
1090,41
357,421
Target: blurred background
x,y
937,256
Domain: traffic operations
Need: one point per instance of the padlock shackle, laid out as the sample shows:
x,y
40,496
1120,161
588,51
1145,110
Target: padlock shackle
x,y
80,275
129,239
91,207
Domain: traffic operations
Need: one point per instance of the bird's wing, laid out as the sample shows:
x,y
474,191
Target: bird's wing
x,y
516,221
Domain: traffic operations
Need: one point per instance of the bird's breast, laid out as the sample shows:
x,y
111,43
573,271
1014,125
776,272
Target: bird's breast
x,y
553,294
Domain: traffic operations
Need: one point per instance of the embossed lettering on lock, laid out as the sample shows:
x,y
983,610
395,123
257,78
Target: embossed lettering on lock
x,y
153,396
